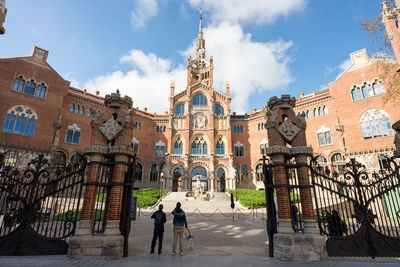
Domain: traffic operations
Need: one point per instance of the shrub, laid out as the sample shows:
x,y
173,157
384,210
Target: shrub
x,y
251,198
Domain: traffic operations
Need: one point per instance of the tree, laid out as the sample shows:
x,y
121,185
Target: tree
x,y
386,65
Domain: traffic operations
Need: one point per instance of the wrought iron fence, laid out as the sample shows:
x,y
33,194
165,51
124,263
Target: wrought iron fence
x,y
39,206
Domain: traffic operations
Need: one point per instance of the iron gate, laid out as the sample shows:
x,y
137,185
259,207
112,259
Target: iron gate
x,y
358,211
104,186
39,206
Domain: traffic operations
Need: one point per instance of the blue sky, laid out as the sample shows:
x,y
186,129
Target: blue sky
x,y
262,47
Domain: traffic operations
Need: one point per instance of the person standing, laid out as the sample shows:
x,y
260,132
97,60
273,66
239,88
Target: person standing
x,y
159,220
179,222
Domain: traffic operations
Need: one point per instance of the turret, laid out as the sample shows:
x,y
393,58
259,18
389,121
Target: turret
x,y
3,12
389,18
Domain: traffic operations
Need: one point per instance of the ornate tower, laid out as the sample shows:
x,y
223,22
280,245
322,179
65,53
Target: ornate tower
x,y
200,130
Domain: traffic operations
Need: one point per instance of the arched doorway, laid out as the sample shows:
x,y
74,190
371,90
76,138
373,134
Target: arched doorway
x,y
221,180
178,173
199,174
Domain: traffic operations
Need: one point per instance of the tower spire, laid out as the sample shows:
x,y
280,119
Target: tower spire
x,y
200,42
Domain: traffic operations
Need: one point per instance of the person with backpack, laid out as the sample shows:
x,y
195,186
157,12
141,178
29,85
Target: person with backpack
x,y
159,220
179,222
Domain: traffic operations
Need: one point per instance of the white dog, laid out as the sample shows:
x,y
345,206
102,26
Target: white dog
x,y
190,239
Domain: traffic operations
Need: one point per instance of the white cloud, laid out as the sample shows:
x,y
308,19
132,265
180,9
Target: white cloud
x,y
147,82
248,11
144,10
345,65
249,67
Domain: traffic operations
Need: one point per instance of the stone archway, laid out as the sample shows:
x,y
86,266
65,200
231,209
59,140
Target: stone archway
x,y
199,173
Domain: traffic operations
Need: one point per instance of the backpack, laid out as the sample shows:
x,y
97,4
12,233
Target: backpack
x,y
158,218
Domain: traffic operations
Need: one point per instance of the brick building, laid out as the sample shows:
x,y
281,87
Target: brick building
x,y
199,138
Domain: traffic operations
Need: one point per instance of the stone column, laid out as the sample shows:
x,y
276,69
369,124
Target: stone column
x,y
211,186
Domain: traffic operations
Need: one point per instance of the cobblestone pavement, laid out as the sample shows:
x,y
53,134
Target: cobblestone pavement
x,y
220,240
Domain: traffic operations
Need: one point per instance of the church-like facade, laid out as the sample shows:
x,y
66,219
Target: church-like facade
x,y
199,138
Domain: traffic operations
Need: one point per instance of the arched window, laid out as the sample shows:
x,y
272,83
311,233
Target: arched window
x,y
73,134
82,110
220,147
234,129
338,162
199,100
41,91
321,160
315,112
320,111
375,123
378,88
164,128
220,173
180,109
259,173
72,108
77,108
239,149
367,90
139,171
199,146
241,129
308,114
158,129
162,167
20,120
160,149
89,112
356,93
263,146
324,136
219,110
178,146
18,84
154,172
30,87
244,175
325,111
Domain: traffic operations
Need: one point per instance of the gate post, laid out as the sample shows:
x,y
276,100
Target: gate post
x,y
111,135
287,139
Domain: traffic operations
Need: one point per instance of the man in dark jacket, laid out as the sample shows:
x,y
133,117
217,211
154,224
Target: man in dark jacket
x,y
179,222
159,220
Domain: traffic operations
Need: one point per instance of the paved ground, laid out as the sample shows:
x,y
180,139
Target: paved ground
x,y
220,240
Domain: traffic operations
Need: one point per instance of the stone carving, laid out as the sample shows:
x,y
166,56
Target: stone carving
x,y
116,101
110,129
199,121
284,102
288,130
396,127
301,150
277,150
271,121
340,129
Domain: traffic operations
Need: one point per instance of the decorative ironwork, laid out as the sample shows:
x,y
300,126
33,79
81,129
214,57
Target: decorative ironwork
x,y
358,210
39,206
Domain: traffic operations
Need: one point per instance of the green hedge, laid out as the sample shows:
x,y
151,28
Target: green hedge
x,y
251,198
70,215
146,197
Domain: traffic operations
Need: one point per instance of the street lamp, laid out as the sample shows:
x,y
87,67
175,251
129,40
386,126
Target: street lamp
x,y
161,181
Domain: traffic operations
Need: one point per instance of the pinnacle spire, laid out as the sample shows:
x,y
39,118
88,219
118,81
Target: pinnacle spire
x,y
200,42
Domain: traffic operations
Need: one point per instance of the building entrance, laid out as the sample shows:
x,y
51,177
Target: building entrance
x,y
199,178
220,180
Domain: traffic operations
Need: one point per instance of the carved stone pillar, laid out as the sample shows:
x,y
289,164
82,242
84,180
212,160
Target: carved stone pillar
x,y
285,130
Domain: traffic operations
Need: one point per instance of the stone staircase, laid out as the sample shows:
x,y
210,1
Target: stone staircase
x,y
219,200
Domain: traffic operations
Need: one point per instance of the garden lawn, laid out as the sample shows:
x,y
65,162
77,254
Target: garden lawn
x,y
251,198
